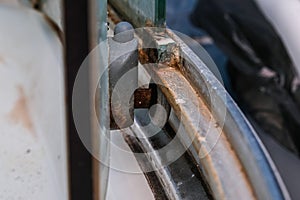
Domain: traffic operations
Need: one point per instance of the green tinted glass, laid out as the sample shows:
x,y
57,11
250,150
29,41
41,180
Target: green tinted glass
x,y
142,12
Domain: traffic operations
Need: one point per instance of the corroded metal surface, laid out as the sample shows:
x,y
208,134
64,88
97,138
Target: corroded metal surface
x,y
144,97
237,166
257,164
221,167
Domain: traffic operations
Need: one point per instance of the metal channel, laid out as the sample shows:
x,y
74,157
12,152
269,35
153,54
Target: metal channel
x,y
255,160
232,159
179,180
220,165
238,164
99,61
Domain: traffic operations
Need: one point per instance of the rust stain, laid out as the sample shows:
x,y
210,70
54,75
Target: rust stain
x,y
212,175
113,15
241,168
149,23
143,56
148,55
1,59
20,113
179,87
144,97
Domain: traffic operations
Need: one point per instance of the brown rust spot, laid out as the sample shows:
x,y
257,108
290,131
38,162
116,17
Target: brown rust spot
x,y
148,55
144,97
149,23
1,59
20,113
143,56
113,15
212,175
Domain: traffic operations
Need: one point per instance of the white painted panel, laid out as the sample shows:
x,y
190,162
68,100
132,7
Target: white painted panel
x,y
53,8
32,108
121,184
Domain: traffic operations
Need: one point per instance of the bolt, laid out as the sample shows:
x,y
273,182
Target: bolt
x,y
124,32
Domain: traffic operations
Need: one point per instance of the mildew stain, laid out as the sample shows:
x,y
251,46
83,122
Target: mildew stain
x,y
20,113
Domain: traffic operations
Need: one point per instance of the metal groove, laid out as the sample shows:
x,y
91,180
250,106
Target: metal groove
x,y
255,159
181,179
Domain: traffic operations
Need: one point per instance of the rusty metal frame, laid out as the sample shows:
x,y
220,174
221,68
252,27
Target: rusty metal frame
x,y
255,160
251,171
239,165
